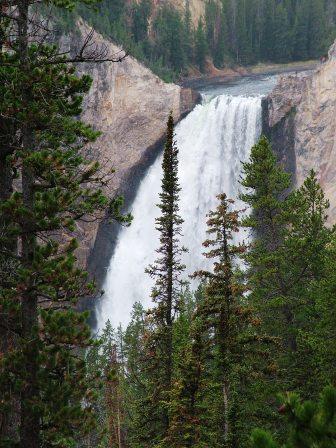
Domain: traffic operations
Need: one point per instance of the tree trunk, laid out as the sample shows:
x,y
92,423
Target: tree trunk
x,y
30,422
226,409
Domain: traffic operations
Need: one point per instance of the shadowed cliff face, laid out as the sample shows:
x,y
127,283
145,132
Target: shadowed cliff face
x,y
300,120
130,106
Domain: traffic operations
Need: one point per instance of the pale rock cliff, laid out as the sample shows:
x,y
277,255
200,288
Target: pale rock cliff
x,y
130,106
300,119
197,7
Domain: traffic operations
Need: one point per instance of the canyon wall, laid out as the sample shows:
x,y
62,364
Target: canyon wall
x,y
130,106
197,7
300,120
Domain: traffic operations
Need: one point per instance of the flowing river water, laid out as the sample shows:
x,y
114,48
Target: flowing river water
x,y
213,140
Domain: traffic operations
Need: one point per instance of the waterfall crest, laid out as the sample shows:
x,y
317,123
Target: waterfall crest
x,y
213,140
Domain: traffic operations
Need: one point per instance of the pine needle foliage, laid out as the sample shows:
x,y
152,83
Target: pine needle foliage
x,y
166,293
43,375
287,258
230,327
309,424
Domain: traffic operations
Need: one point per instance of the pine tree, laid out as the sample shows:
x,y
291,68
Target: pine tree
x,y
167,271
317,29
301,31
306,245
201,49
188,32
141,15
265,189
211,16
267,41
230,324
285,260
47,281
243,50
184,412
140,419
105,367
282,40
309,424
221,45
43,370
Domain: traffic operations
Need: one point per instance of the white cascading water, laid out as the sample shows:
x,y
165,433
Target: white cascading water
x,y
213,140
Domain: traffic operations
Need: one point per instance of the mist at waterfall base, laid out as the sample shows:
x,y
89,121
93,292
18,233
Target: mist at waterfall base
x,y
213,141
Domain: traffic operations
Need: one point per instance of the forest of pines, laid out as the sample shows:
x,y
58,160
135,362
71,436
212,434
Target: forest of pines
x,y
246,360
231,33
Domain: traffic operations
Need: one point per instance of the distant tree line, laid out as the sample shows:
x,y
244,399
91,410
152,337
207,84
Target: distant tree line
x,y
231,32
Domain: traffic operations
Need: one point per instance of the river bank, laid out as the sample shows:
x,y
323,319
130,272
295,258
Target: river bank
x,y
228,75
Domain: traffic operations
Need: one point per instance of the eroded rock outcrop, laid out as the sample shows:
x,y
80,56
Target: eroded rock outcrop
x,y
300,119
196,7
130,106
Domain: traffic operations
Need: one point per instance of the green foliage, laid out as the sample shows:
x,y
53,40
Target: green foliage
x,y
231,32
166,293
287,259
201,368
309,424
200,46
106,371
43,374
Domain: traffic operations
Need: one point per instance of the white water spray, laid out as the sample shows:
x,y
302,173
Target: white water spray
x,y
213,141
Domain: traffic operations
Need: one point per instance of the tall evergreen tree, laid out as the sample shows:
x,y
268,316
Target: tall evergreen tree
x,y
105,367
188,30
301,31
226,333
42,370
141,16
201,49
243,50
282,40
167,271
286,258
222,302
317,29
221,45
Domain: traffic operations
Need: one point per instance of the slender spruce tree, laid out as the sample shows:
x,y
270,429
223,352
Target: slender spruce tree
x,y
201,47
167,271
231,327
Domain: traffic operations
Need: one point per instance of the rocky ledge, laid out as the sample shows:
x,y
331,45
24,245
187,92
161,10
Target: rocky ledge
x,y
300,120
130,106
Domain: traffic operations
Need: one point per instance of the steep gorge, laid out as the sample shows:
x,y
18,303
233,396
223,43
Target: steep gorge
x,y
130,106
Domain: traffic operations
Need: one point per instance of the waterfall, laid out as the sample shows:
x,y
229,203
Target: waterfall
x,y
213,140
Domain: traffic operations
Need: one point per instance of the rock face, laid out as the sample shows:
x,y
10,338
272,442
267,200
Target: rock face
x,y
130,106
197,8
300,119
